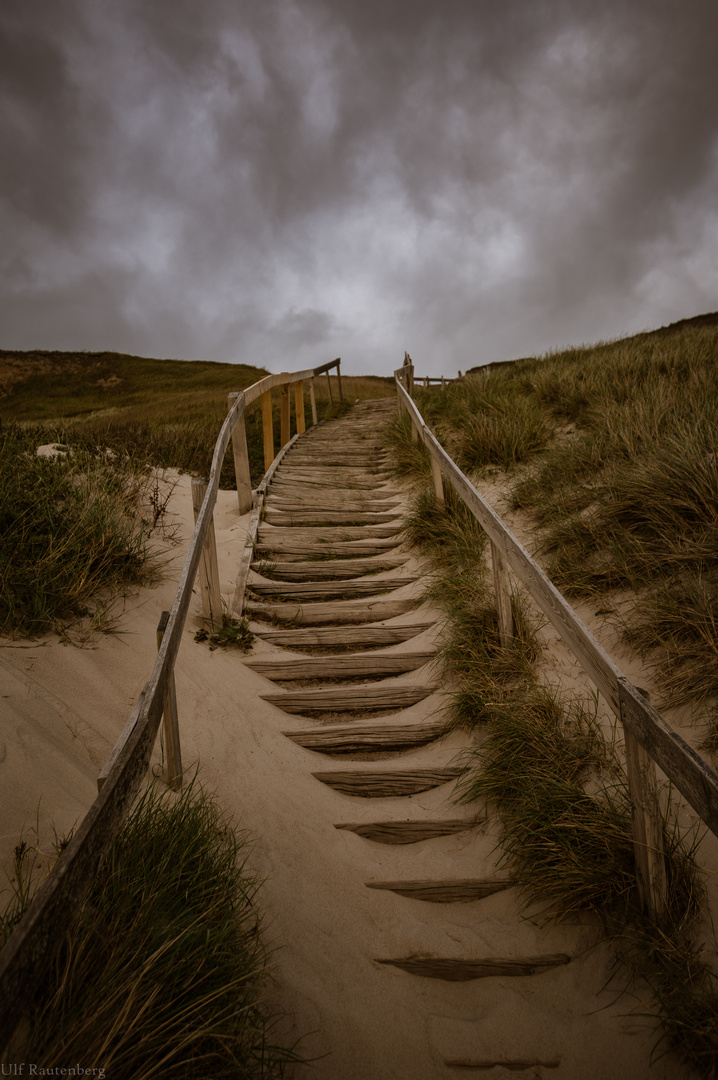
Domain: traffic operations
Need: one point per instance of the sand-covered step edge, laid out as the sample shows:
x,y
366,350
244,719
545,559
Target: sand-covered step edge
x,y
338,613
308,489
449,891
355,738
327,569
352,697
387,784
353,666
320,519
510,1064
297,550
321,590
408,832
463,970
341,636
324,534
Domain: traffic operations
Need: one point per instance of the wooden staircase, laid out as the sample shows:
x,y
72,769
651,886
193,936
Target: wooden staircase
x,y
335,582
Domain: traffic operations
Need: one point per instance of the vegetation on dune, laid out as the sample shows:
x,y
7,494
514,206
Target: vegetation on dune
x,y
74,531
616,448
165,972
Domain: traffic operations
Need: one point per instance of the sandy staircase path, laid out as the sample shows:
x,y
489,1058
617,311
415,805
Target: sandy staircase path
x,y
422,965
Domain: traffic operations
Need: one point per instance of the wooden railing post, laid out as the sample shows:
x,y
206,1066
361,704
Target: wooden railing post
x,y
267,429
502,585
299,407
437,478
647,825
285,426
241,462
208,574
339,379
313,401
173,771
329,387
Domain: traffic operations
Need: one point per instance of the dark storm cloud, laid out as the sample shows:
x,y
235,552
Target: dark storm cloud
x,y
285,182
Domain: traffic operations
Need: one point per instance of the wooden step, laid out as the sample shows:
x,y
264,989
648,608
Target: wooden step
x,y
328,569
323,518
328,637
304,490
510,1064
408,832
385,784
359,463
331,502
303,477
354,666
355,738
349,698
327,552
324,590
451,891
338,613
272,534
452,970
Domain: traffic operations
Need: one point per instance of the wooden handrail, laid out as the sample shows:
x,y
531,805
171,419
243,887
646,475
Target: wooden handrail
x,y
696,781
28,953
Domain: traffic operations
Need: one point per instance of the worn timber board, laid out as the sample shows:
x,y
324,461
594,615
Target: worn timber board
x,y
271,534
450,891
354,738
408,832
367,636
385,784
349,697
328,569
318,590
339,613
317,518
340,667
458,970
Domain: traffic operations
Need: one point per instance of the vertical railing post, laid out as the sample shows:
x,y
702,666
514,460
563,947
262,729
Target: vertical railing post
x,y
339,379
329,387
208,573
241,462
285,426
299,407
173,773
502,585
267,429
647,826
437,478
313,401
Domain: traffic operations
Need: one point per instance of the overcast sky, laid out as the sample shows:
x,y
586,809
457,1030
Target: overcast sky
x,y
281,182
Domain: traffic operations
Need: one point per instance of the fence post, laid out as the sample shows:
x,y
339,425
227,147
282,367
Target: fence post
x,y
284,414
173,773
313,400
339,379
437,478
267,429
208,569
299,407
241,462
502,585
329,387
647,827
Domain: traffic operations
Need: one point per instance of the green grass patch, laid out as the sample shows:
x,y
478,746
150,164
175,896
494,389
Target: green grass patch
x,y
165,972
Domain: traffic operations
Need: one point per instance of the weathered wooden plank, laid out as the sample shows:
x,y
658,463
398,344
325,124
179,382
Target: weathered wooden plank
x,y
340,613
170,720
333,502
340,699
318,479
511,1064
321,518
355,738
340,667
328,569
450,891
267,428
695,780
459,970
342,636
330,551
323,590
273,534
502,590
408,832
240,454
385,784
208,567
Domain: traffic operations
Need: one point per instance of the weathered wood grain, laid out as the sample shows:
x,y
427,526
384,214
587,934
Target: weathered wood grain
x,y
319,590
271,534
355,738
340,667
329,569
511,1064
385,784
320,518
450,891
340,613
340,636
326,552
459,970
348,697
408,832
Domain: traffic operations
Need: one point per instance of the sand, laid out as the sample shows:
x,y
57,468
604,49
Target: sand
x,y
62,707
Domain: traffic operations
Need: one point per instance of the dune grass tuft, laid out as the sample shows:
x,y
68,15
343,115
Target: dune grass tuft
x,y
164,973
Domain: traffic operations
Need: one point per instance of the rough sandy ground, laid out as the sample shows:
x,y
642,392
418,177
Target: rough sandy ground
x,y
62,708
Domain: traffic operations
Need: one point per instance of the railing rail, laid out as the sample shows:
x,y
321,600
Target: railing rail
x,y
649,740
27,955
